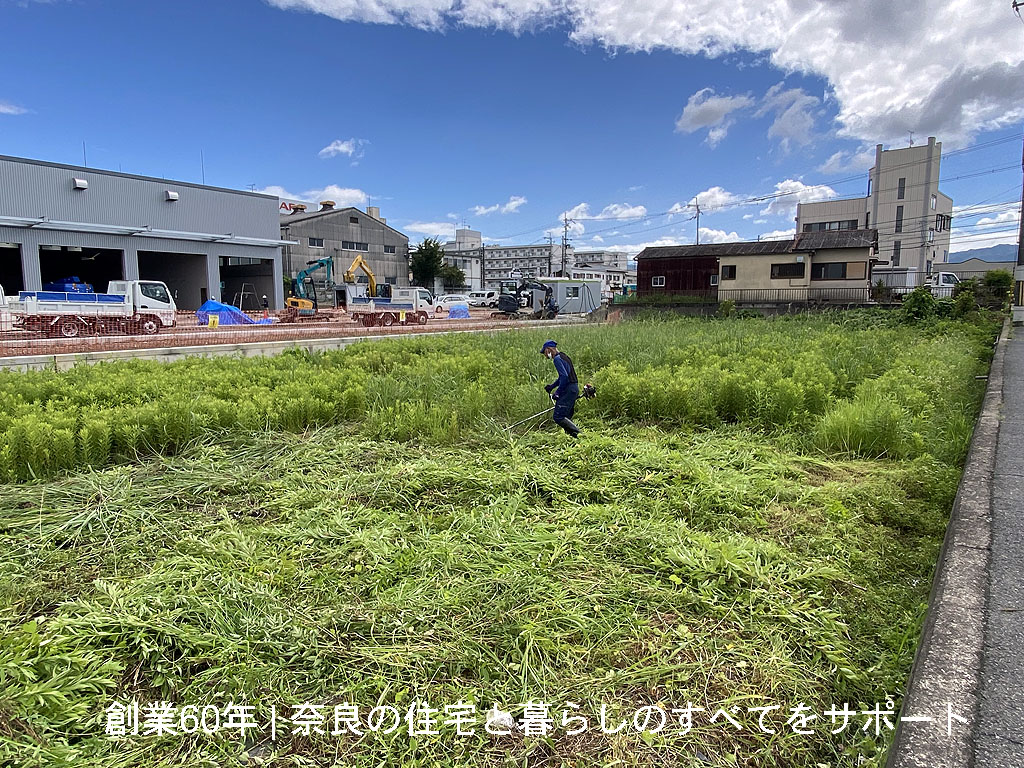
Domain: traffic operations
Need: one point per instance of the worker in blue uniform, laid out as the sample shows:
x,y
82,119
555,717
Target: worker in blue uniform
x,y
565,390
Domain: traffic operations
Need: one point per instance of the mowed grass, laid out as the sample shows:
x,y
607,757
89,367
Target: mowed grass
x,y
659,560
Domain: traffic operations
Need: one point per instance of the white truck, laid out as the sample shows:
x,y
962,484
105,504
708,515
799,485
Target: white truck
x,y
941,284
128,306
405,307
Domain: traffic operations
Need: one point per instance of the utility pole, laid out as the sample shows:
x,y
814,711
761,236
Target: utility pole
x,y
1020,235
565,240
696,204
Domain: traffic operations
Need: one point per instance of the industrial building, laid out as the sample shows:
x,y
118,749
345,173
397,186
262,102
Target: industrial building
x,y
59,221
904,204
341,234
504,262
813,266
466,252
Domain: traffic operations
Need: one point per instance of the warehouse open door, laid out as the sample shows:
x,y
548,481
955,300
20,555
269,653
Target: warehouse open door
x,y
183,273
96,266
12,278
244,282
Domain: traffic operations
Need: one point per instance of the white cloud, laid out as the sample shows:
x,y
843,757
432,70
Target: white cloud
x,y
748,216
439,229
342,196
597,239
778,234
622,211
843,161
792,191
710,200
794,112
706,109
353,148
946,69
632,249
1006,217
6,108
515,202
718,236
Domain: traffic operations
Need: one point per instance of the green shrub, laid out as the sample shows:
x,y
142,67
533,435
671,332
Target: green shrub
x,y
919,305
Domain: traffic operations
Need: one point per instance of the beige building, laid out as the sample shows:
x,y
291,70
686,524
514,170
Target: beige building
x,y
903,203
814,266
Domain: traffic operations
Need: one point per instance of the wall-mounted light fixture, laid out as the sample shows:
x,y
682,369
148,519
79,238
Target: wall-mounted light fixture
x,y
80,183
171,196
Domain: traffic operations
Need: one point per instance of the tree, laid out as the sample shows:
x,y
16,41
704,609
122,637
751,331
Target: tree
x,y
426,262
452,276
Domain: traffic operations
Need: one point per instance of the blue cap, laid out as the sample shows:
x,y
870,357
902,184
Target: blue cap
x,y
547,344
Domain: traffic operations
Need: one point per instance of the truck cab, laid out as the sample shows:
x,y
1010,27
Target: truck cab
x,y
148,298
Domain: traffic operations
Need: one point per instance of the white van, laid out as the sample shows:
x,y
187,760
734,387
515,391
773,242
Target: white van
x,y
483,298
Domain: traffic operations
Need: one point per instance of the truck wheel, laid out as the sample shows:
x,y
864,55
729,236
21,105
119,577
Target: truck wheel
x,y
388,319
149,325
68,327
421,318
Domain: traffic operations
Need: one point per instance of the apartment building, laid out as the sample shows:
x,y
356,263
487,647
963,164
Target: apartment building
x,y
903,203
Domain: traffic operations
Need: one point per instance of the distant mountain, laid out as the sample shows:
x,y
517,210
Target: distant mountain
x,y
1005,252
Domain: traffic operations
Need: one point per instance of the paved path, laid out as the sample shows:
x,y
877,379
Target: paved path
x,y
999,730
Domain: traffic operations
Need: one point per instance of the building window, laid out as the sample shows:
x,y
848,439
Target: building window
x,y
787,271
831,226
349,245
316,242
572,293
869,186
658,281
931,235
353,219
834,270
899,218
867,220
935,200
389,249
896,247
901,189
728,271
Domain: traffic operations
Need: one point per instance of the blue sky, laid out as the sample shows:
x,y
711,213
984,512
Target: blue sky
x,y
507,115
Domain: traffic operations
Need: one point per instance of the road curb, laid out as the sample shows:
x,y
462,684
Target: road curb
x,y
946,674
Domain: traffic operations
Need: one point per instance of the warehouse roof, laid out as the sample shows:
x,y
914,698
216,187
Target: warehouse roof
x,y
295,218
805,241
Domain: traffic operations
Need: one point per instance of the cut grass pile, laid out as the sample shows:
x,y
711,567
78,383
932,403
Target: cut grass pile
x,y
711,555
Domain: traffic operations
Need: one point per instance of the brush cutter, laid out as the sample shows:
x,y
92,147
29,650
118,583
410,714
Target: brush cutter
x,y
588,392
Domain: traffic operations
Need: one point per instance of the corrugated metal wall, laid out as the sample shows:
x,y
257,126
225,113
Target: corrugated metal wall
x,y
32,189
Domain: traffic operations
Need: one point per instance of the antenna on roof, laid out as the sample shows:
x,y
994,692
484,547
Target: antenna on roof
x,y
911,138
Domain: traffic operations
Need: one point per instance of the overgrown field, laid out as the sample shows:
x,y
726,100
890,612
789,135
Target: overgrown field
x,y
750,520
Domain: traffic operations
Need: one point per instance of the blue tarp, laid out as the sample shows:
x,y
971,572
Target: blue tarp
x,y
226,314
458,312
71,284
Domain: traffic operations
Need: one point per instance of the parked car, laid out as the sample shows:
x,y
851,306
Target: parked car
x,y
443,302
483,299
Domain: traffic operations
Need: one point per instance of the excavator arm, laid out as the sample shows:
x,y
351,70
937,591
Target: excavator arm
x,y
360,263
